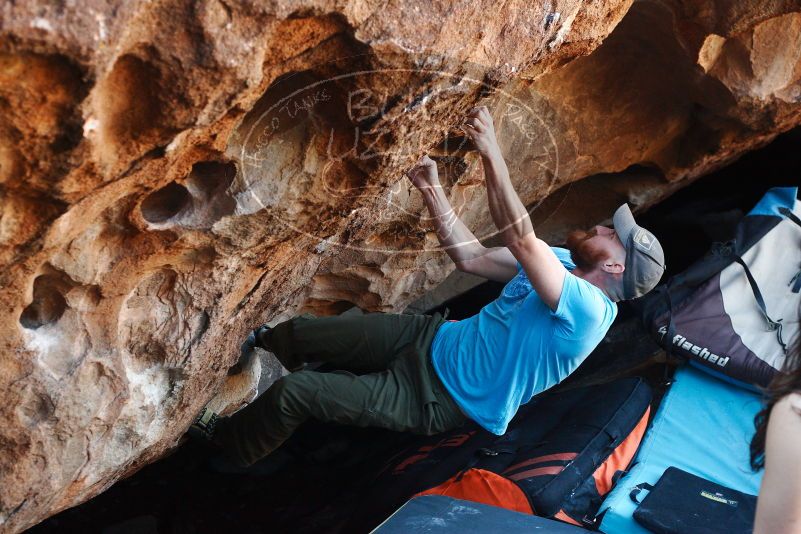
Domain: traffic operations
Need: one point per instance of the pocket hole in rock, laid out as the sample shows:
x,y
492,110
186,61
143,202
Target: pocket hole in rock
x,y
166,203
198,201
208,183
48,303
209,179
130,109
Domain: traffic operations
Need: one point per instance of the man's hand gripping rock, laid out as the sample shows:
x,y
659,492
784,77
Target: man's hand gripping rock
x,y
424,174
481,130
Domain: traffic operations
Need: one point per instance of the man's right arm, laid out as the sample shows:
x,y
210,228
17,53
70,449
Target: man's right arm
x,y
543,269
457,240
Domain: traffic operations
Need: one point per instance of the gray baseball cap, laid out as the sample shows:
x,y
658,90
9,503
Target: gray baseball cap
x,y
645,260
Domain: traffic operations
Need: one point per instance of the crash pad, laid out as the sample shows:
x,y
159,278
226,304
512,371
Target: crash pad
x,y
437,513
703,426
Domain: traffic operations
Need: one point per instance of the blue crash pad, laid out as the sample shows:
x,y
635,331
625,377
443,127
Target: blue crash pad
x,y
703,426
441,514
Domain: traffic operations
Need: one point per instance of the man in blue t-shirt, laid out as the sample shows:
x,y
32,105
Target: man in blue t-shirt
x,y
423,374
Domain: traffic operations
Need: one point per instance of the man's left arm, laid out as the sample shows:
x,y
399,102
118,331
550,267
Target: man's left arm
x,y
544,270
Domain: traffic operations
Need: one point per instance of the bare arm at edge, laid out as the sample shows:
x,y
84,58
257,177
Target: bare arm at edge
x,y
779,502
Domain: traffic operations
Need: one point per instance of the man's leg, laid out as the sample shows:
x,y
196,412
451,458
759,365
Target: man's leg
x,y
361,343
389,399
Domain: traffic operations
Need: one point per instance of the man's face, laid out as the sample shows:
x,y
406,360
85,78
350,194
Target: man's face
x,y
595,247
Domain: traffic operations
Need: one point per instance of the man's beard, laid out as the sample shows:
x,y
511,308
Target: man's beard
x,y
583,256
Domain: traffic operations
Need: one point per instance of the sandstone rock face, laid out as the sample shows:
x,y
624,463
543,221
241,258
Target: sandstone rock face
x,y
173,173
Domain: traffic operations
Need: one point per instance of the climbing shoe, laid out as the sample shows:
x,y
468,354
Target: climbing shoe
x,y
247,349
203,427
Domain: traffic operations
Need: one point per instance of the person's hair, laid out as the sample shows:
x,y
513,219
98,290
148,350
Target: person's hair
x,y
787,381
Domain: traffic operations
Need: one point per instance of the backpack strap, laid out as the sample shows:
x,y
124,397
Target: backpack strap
x,y
670,335
635,492
787,212
772,325
795,283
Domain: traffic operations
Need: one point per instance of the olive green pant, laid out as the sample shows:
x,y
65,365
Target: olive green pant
x,y
397,387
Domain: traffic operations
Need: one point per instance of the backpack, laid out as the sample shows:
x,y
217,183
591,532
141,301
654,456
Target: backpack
x,y
562,457
734,311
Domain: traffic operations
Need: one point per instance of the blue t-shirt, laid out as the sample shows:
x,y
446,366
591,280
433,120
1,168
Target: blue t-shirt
x,y
516,346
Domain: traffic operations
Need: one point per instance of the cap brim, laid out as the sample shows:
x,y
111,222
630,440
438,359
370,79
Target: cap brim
x,y
624,224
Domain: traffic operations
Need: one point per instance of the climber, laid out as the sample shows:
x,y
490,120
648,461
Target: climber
x,y
423,374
